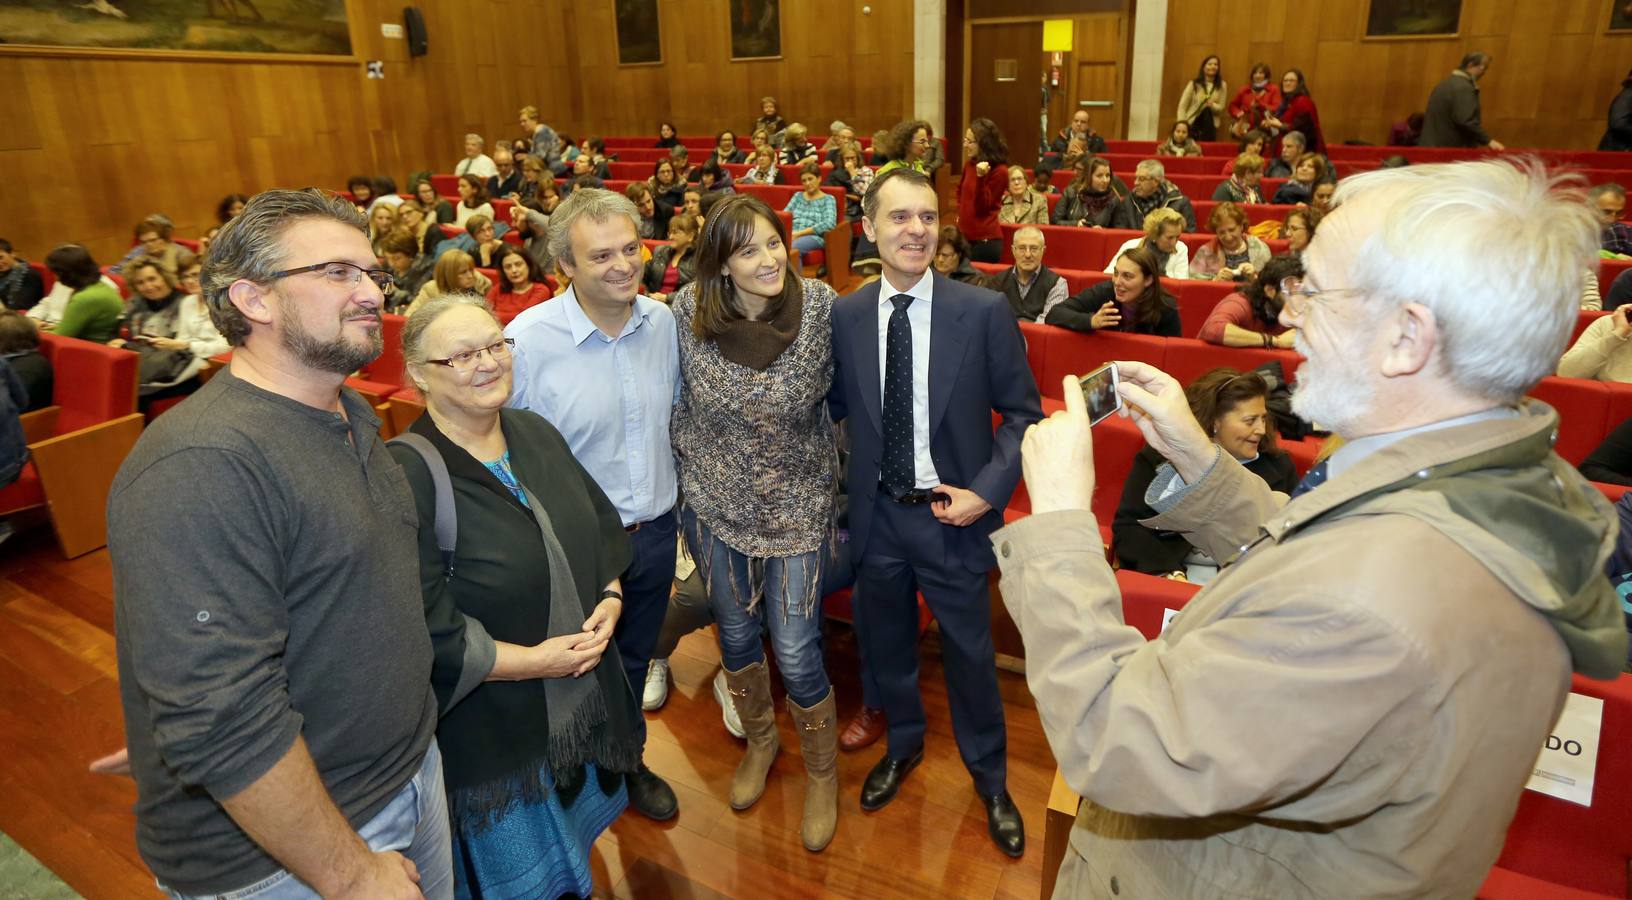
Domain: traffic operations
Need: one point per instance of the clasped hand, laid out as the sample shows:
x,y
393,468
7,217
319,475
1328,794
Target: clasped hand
x,y
577,653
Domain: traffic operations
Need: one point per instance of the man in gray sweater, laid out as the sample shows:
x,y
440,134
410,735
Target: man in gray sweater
x,y
274,663
1452,117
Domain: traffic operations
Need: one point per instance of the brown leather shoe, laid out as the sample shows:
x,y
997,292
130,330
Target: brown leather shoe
x,y
863,729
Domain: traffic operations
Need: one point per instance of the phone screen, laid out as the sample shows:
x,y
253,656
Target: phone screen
x,y
1099,392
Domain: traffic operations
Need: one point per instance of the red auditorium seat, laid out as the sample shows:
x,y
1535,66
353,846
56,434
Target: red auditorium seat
x,y
1583,413
1609,270
1188,359
1196,301
1584,318
1074,353
1147,598
77,444
386,375
118,282
446,185
46,278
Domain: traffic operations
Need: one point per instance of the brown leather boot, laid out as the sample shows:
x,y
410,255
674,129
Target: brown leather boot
x,y
865,727
750,690
819,742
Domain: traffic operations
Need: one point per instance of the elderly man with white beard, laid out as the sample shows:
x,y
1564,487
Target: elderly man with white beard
x,y
1353,707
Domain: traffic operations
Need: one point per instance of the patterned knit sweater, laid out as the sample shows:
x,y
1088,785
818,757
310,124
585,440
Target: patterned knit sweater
x,y
755,449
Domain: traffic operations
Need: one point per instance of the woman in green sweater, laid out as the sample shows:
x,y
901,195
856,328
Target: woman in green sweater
x,y
94,309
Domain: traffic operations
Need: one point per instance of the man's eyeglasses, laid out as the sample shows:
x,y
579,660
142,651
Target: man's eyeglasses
x,y
1297,298
344,274
466,360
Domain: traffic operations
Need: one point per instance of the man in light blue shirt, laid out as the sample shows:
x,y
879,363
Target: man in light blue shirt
x,y
602,364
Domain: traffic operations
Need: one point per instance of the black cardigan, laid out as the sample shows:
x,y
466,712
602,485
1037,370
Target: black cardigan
x,y
1077,312
501,579
1160,552
1611,461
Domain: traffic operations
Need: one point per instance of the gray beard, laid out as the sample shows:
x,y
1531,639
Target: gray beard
x,y
339,356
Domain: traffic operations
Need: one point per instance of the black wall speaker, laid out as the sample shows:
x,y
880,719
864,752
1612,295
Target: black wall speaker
x,y
414,21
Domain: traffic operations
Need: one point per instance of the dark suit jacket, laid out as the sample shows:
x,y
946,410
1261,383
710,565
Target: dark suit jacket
x,y
977,364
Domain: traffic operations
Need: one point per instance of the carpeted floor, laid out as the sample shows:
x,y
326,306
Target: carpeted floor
x,y
23,878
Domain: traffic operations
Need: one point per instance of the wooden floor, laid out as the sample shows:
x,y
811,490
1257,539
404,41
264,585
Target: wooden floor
x,y
59,708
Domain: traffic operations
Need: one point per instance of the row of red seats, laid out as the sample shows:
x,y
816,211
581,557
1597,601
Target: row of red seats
x,y
1070,247
1555,849
1592,159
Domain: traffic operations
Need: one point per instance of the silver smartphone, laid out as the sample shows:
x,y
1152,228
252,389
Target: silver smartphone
x,y
1099,392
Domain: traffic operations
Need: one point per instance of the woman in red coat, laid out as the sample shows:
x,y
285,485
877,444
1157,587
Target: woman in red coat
x,y
980,191
1257,99
1296,113
520,283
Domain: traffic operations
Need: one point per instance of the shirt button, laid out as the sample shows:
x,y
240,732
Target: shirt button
x,y
1116,886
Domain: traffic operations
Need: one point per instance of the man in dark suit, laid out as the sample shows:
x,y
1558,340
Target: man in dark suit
x,y
922,361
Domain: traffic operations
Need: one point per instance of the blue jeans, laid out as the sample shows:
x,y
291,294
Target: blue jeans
x,y
805,243
414,823
788,583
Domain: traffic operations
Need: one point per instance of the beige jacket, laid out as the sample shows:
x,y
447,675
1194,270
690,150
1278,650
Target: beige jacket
x,y
1353,707
1598,354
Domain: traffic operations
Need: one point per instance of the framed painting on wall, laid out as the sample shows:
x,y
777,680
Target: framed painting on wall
x,y
1620,15
304,27
1413,18
756,29
639,41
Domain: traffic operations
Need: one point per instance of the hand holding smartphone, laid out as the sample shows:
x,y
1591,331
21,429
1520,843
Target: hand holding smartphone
x,y
1099,393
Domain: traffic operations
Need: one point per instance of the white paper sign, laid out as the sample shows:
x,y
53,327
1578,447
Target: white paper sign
x,y
1167,618
1569,758
390,30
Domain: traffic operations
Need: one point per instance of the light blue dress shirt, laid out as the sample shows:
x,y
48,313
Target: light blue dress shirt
x,y
609,397
918,316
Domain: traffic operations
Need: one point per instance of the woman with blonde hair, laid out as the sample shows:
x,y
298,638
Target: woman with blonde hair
x,y
382,220
455,273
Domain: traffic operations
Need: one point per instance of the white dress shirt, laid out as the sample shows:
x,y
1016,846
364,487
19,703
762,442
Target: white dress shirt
x,y
918,316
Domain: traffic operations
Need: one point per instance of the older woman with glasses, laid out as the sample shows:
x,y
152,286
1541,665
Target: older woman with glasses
x,y
521,595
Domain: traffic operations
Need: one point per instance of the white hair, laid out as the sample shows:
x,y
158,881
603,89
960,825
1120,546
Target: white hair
x,y
1029,229
1497,250
1153,168
473,136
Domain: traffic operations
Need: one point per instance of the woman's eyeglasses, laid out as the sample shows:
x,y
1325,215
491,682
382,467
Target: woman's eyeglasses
x,y
466,361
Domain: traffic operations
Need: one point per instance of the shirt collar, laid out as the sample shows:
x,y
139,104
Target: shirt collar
x,y
924,290
1352,452
580,325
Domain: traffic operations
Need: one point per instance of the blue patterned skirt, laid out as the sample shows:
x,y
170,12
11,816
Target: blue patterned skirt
x,y
536,850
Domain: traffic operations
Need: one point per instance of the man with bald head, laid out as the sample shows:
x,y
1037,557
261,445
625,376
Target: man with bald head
x,y
1032,288
1353,707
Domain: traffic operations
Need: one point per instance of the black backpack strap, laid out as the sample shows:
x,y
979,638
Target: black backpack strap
x,y
447,516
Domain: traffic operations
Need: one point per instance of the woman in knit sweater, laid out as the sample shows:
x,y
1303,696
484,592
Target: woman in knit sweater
x,y
756,459
1602,352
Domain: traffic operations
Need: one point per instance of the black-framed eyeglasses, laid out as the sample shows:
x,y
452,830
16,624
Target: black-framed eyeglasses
x,y
344,274
466,360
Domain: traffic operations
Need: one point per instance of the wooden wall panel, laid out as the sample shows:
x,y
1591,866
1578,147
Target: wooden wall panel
x,y
94,143
1554,75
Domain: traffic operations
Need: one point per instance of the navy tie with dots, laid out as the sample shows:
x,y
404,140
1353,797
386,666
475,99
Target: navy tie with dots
x,y
1315,478
897,473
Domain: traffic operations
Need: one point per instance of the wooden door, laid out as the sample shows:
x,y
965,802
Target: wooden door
x,y
1099,80
1005,85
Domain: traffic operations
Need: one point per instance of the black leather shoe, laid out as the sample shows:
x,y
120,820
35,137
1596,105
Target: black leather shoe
x,y
651,796
885,779
1004,825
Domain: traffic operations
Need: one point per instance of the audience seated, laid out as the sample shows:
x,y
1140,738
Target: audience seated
x,y
666,136
476,161
839,134
952,256
1610,201
533,174
361,189
1256,100
1162,229
472,200
1245,175
153,241
764,170
1042,178
1253,143
1232,254
1251,317
1611,461
1133,300
1091,199
1591,299
668,188
412,268
1178,142
1602,352
230,206
455,272
681,158
51,308
170,329
1308,172
1152,190
437,209
20,348
1032,288
531,224
814,210
795,148
521,283
20,286
640,194
1620,290
426,233
1407,131
505,182
1230,406
692,203
726,151
673,265
593,151
1081,129
381,222
482,240
1291,147
853,174
1298,228
1021,204
711,176
93,309
909,144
